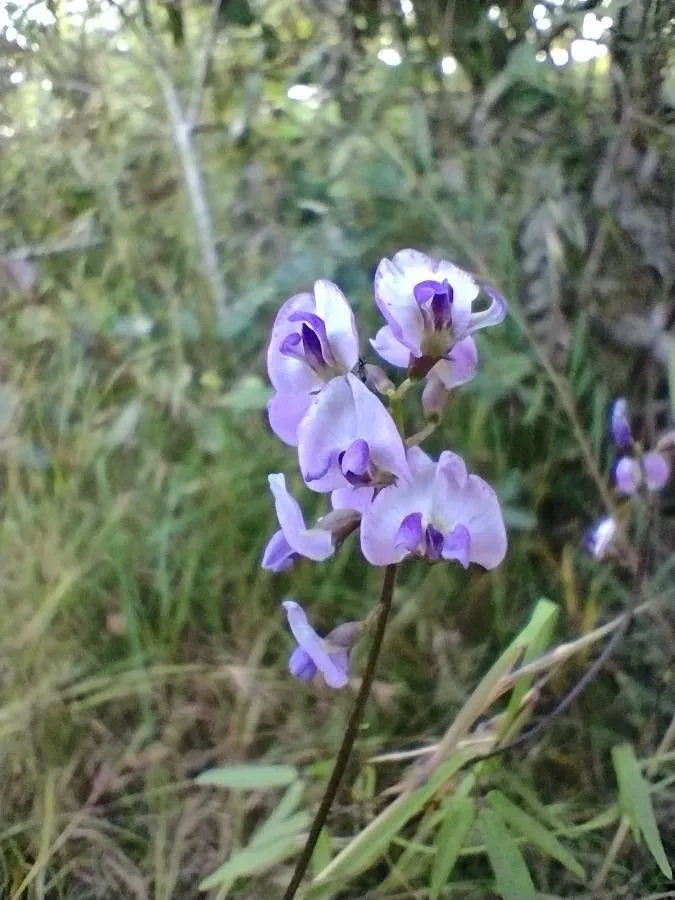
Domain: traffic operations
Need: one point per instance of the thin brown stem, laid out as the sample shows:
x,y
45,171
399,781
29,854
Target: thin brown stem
x,y
342,758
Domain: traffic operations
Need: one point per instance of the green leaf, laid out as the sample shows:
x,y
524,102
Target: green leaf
x,y
534,831
511,872
248,394
248,778
539,631
460,815
252,860
636,803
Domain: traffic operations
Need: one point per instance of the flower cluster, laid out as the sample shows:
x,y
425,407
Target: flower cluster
x,y
351,444
637,472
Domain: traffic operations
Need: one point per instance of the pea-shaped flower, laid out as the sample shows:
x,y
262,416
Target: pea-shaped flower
x,y
428,304
442,513
329,655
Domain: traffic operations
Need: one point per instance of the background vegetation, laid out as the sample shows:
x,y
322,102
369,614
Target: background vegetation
x,y
170,173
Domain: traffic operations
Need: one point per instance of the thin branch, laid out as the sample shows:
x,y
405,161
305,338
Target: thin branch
x,y
194,109
383,610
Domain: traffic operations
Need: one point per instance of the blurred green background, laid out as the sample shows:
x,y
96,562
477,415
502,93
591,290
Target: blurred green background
x,y
170,173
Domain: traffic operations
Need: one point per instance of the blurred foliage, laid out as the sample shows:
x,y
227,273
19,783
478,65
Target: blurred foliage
x,y
140,643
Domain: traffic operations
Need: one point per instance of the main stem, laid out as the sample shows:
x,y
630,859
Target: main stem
x,y
384,608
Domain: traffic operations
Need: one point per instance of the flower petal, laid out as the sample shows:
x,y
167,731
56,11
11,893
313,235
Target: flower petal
x,y
309,641
620,424
460,365
493,315
344,412
394,352
301,666
285,412
278,555
627,475
314,543
356,498
457,545
289,374
656,469
382,520
332,306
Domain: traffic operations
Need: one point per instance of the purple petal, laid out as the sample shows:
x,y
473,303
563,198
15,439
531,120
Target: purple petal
x,y
344,412
493,315
393,285
409,534
393,351
334,674
278,555
433,540
457,545
656,469
356,498
620,425
627,475
333,309
314,543
435,397
300,665
287,370
285,412
356,458
460,365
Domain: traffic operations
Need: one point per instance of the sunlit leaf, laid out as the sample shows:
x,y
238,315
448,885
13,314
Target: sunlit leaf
x,y
248,778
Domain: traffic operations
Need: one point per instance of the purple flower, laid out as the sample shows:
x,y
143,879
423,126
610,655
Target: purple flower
x,y
329,655
314,339
442,513
600,538
293,539
652,470
620,424
347,438
428,305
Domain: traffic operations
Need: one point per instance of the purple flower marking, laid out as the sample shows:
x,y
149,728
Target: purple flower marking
x,y
441,513
329,655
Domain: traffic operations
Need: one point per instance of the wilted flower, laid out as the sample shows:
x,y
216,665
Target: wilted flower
x,y
620,425
600,538
293,539
428,305
652,470
442,513
329,655
347,438
314,339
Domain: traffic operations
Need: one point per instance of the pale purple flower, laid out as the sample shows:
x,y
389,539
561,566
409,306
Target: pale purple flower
x,y
652,470
347,438
620,424
314,339
428,305
293,539
457,368
329,655
600,538
442,513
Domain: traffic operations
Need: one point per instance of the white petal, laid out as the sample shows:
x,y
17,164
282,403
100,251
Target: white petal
x,y
333,308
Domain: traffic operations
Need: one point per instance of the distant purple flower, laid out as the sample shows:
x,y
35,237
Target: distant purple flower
x,y
428,305
329,655
600,538
442,513
347,438
653,469
314,339
620,424
294,540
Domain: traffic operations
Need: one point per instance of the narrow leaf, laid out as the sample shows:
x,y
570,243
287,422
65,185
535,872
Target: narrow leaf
x,y
248,778
511,873
534,831
252,861
636,803
460,815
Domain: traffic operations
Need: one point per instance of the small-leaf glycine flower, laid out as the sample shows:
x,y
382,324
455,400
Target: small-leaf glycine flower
x,y
649,470
351,443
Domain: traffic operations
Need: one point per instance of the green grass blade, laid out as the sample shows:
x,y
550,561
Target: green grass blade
x,y
534,831
252,861
460,815
636,803
511,873
248,778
